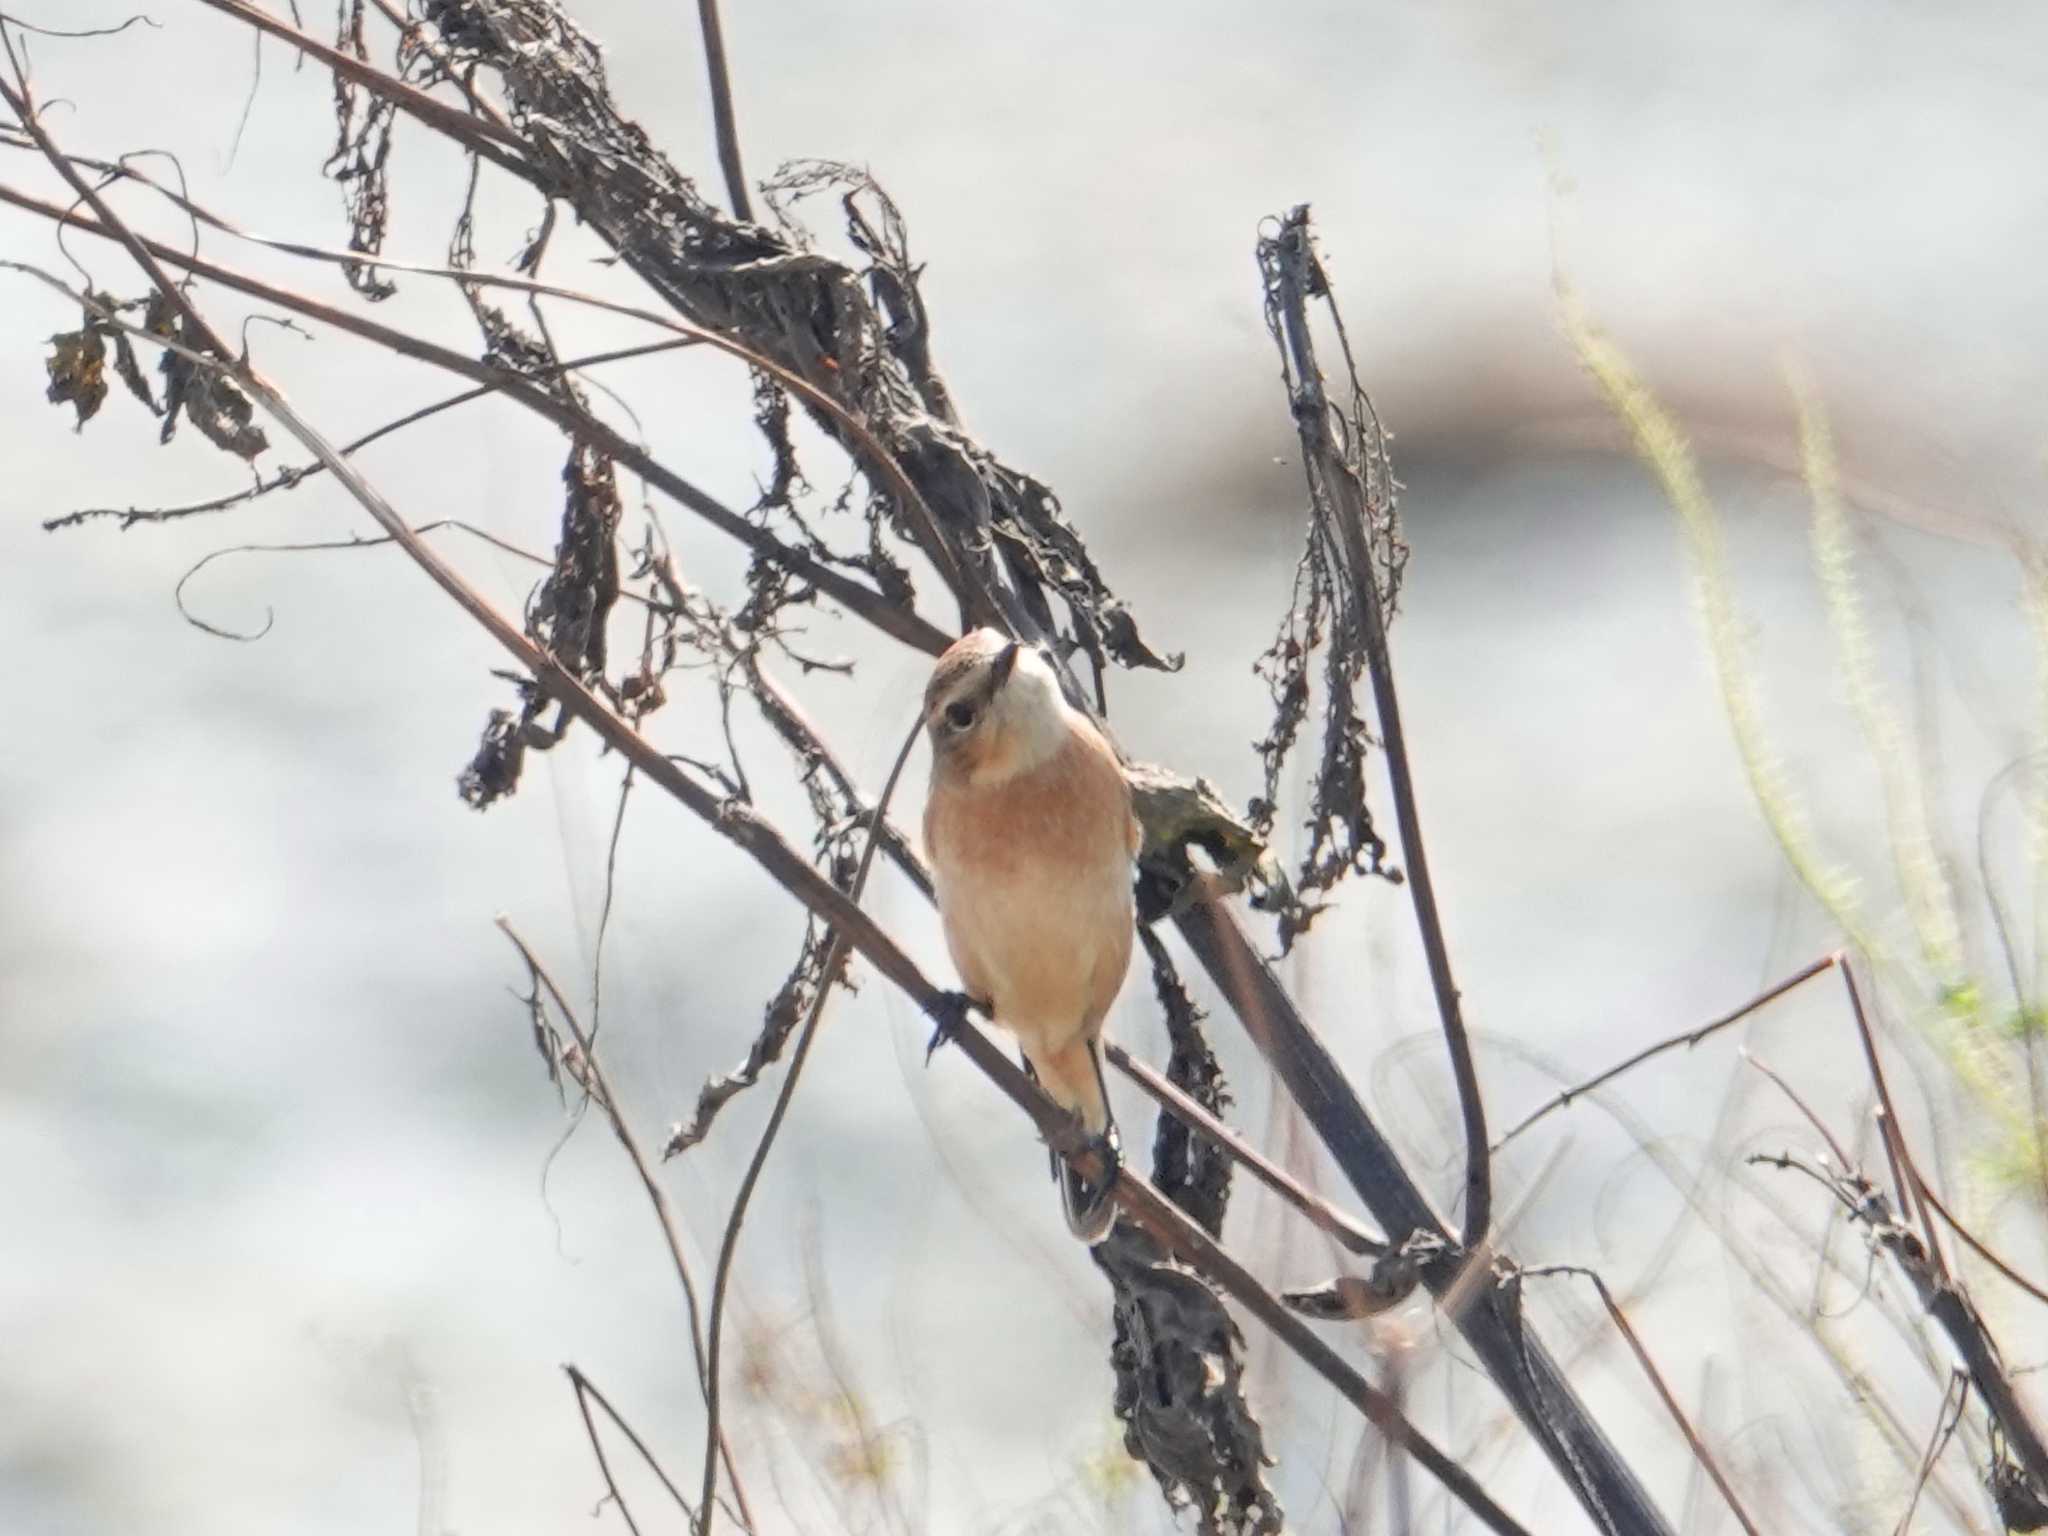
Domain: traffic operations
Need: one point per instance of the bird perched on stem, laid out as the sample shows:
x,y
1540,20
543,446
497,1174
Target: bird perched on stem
x,y
1031,837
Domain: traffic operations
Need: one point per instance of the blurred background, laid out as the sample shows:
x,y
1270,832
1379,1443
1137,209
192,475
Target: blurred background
x,y
297,1233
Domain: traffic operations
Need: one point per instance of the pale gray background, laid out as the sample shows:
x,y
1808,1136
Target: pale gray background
x,y
283,1243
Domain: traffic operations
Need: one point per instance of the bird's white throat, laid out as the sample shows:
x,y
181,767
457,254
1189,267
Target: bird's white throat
x,y
1032,712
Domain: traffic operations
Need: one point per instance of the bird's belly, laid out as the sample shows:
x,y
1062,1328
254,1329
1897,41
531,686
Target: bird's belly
x,y
1045,942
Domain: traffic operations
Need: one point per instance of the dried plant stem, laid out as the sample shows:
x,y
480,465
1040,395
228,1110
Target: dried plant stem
x,y
291,479
1892,1132
593,1077
1520,1365
1687,1039
1857,1389
1545,1402
494,141
1703,1457
1945,1425
835,963
1971,1241
881,464
1300,276
728,1245
1347,1231
721,109
587,1392
1944,1300
604,1465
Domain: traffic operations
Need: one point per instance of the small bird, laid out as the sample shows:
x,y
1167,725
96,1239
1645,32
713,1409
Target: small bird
x,y
1031,837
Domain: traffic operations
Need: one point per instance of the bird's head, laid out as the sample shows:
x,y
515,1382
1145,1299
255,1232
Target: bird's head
x,y
993,708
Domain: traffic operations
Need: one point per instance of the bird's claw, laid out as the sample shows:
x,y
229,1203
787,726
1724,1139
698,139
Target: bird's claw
x,y
949,1017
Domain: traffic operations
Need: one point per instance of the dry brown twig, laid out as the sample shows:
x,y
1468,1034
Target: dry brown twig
x,y
1702,1457
1941,1296
834,964
588,1073
1685,1040
586,1393
1353,533
1946,1423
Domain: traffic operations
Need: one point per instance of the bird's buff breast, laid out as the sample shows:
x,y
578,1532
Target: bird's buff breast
x,y
1034,877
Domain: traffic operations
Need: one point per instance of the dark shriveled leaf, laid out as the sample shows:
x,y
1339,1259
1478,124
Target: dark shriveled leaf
x,y
129,369
854,333
570,612
791,1003
2021,1507
78,371
1178,1359
204,396
1190,1170
1325,621
493,772
360,160
77,362
224,415
1179,1364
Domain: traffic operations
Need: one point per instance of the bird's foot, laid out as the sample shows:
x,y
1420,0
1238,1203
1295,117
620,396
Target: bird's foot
x,y
949,1015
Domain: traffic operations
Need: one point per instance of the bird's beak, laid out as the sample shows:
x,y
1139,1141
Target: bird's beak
x,y
1006,663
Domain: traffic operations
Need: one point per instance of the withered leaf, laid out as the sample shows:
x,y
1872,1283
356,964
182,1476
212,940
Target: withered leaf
x,y
223,413
130,370
569,613
78,370
494,772
207,398
78,361
359,164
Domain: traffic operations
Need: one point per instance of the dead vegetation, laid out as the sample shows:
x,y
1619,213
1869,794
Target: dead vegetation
x,y
914,528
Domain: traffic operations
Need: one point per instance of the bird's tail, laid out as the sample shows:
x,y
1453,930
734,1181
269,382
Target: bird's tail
x,y
1090,1207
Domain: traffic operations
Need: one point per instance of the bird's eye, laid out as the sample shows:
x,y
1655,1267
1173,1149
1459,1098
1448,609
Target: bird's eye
x,y
959,714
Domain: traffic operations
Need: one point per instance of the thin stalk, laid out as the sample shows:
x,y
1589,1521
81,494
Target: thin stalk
x,y
721,110
728,1246
585,1388
664,1209
1703,1457
1347,1231
1687,1039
